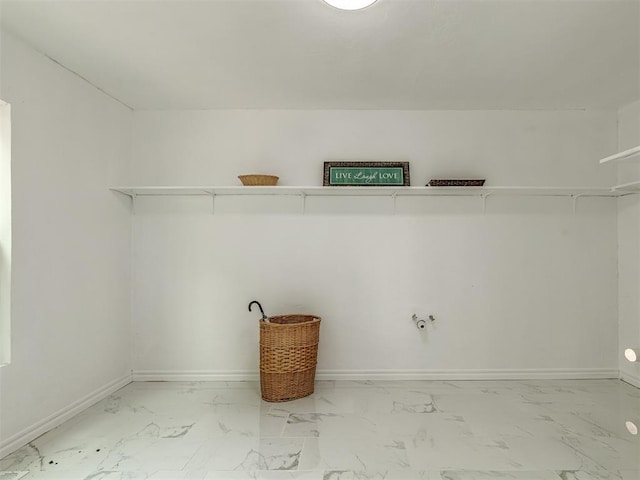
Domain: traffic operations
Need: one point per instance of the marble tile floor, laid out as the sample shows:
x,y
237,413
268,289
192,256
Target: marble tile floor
x,y
346,430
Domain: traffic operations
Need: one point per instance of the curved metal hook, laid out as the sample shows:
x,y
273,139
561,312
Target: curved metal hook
x,y
264,317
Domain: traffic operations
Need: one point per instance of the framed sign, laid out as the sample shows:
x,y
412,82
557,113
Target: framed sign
x,y
371,174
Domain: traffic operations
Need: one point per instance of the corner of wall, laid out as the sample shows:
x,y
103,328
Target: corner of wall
x,y
628,219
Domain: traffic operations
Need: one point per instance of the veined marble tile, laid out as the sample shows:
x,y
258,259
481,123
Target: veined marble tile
x,y
318,402
324,385
368,475
611,453
493,386
542,453
235,398
339,400
238,422
362,400
160,398
381,385
265,475
100,429
117,475
191,386
372,425
428,386
416,430
306,424
546,425
491,475
417,425
499,453
179,475
611,420
34,458
163,454
85,440
75,475
474,453
329,425
573,402
569,386
506,404
248,454
152,446
12,475
628,389
584,425
18,460
490,423
602,475
440,475
149,402
354,454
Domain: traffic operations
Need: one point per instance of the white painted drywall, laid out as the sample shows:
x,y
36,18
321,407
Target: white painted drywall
x,y
629,243
526,286
5,233
71,241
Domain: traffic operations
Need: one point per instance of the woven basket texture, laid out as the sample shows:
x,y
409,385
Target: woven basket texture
x,y
288,356
255,179
456,183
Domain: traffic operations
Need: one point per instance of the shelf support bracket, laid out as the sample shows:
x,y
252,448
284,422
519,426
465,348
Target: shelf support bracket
x,y
213,203
133,203
394,195
574,202
304,202
484,202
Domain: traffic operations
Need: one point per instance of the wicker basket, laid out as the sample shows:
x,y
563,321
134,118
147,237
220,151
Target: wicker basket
x,y
255,180
288,355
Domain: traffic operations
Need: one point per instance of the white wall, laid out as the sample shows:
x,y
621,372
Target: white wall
x,y
5,232
71,245
526,289
522,148
629,244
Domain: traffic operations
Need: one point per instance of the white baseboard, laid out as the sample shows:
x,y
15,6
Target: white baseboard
x,y
195,376
250,375
630,378
22,438
497,374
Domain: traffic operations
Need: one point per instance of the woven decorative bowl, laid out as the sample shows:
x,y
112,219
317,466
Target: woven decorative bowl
x,y
255,179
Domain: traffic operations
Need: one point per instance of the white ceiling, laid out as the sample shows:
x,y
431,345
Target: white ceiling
x,y
396,54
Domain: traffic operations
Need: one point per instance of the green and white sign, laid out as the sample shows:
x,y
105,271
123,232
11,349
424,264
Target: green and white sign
x,y
366,174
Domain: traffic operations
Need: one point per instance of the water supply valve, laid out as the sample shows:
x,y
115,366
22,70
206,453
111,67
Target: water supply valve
x,y
422,324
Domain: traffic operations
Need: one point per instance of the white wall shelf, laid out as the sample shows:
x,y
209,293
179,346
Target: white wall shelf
x,y
141,191
621,156
631,187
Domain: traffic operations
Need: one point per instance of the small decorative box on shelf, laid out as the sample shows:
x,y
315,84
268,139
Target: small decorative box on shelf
x,y
455,183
